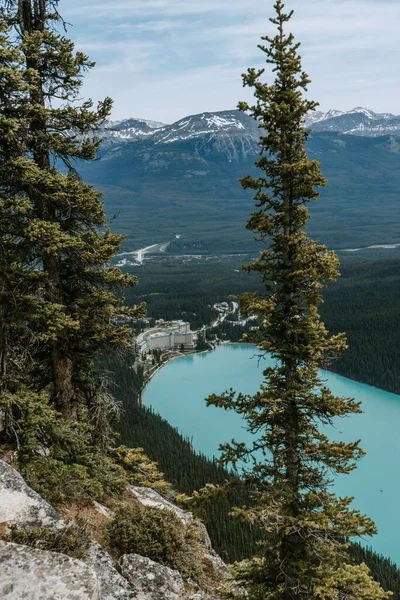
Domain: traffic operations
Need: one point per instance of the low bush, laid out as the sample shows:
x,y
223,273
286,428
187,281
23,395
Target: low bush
x,y
59,482
71,540
156,534
140,469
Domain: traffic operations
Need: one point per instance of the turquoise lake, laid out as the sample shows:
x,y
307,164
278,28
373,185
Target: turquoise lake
x,y
178,393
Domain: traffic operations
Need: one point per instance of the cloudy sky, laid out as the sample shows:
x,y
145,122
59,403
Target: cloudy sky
x,y
165,59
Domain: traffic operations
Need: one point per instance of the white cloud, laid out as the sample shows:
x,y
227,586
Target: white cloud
x,y
163,59
140,8
151,26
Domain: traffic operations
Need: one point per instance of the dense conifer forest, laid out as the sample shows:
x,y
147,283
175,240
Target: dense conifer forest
x,y
365,303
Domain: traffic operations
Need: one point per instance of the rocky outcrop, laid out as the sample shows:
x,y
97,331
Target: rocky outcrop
x,y
37,575
214,563
148,497
217,565
34,574
20,505
150,580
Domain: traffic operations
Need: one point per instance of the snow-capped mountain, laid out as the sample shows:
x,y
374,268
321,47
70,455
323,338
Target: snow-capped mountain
x,y
196,126
232,133
371,114
358,121
183,179
234,129
318,116
130,129
191,127
229,133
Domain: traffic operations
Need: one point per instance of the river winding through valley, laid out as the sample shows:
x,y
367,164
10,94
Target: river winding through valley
x,y
179,390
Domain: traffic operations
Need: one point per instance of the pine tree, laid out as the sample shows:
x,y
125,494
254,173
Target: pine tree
x,y
79,314
289,466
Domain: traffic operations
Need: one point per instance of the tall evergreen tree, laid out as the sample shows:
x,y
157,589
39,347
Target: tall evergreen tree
x,y
18,277
78,310
290,464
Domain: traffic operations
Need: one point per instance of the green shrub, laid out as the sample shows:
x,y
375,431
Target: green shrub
x,y
57,482
140,469
106,472
61,459
156,534
71,540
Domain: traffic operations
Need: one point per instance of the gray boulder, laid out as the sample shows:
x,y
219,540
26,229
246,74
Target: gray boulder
x,y
37,575
205,538
113,585
141,579
20,505
150,580
217,565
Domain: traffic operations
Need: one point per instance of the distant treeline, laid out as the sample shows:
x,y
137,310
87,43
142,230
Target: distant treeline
x,y
365,303
175,290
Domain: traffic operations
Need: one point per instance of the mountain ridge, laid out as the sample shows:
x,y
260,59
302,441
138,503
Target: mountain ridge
x,y
359,121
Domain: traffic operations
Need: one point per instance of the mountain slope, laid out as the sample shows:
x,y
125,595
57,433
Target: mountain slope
x,y
182,179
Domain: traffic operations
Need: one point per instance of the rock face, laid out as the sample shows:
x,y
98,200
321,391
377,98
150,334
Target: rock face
x,y
20,505
150,580
148,497
217,565
37,575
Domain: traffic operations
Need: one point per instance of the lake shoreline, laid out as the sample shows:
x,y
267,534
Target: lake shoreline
x,y
228,343
177,357
178,395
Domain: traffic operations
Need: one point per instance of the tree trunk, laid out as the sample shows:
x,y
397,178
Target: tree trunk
x,y
62,377
290,543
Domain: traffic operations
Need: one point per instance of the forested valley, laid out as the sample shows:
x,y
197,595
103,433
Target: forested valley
x,y
364,302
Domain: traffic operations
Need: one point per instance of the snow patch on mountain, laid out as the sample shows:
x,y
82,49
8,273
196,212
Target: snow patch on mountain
x,y
222,123
319,116
200,125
